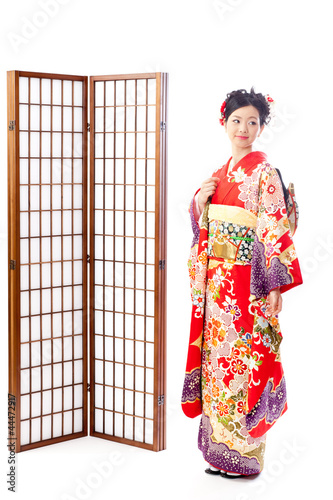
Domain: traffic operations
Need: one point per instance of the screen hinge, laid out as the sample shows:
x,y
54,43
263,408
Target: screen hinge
x,y
88,127
88,387
160,400
88,259
163,125
11,125
162,265
12,264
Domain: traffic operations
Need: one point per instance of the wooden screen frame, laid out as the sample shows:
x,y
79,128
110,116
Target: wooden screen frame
x,y
14,326
159,419
159,441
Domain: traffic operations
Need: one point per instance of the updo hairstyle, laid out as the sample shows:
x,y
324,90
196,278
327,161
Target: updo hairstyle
x,y
240,98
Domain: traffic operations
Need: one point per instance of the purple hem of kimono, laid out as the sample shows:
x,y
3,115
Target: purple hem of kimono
x,y
269,406
221,456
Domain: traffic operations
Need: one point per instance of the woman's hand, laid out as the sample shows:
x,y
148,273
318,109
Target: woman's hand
x,y
208,188
274,302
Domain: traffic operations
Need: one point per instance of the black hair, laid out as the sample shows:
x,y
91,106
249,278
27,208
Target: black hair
x,y
240,98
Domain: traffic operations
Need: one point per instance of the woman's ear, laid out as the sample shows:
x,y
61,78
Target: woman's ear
x,y
225,126
261,129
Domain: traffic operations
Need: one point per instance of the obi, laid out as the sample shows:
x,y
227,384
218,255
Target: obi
x,y
231,232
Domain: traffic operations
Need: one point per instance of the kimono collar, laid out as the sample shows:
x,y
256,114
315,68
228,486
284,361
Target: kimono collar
x,y
249,160
247,163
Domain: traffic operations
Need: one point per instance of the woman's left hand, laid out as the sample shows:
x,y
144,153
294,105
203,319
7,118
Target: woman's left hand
x,y
274,302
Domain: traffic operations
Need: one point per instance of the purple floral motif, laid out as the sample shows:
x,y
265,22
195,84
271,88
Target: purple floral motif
x,y
220,455
264,279
269,406
192,386
194,224
234,310
270,249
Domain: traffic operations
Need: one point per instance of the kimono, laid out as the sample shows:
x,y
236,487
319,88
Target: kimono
x,y
234,377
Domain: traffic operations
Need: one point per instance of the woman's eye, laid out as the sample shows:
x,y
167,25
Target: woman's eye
x,y
235,120
253,123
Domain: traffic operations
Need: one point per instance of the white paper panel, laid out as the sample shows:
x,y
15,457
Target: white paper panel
x,y
68,376
35,430
34,118
125,256
149,432
47,402
68,418
78,89
47,427
139,425
24,89
35,90
46,91
51,272
78,419
108,397
78,396
57,425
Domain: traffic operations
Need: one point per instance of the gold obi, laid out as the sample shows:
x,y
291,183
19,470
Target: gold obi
x,y
231,232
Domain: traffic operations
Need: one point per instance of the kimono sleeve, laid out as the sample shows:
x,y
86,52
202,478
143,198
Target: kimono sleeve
x,y
274,260
194,220
191,395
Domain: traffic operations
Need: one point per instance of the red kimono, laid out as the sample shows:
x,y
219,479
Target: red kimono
x,y
234,376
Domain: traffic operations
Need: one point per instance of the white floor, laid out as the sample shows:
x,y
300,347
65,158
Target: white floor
x,y
90,468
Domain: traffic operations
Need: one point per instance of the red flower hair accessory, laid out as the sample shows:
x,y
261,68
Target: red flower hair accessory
x,y
222,111
271,104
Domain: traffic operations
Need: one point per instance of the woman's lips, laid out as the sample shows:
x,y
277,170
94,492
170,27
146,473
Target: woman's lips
x,y
241,137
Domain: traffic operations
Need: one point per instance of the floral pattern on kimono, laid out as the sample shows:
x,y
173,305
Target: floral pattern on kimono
x,y
234,376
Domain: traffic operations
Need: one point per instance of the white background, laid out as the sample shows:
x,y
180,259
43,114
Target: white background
x,y
209,48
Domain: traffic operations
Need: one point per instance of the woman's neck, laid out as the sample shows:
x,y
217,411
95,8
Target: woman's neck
x,y
239,153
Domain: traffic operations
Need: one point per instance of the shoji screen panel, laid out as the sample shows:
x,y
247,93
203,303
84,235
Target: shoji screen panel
x,y
127,236
47,221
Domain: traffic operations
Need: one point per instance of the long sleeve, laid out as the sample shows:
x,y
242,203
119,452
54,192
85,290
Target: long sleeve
x,y
274,260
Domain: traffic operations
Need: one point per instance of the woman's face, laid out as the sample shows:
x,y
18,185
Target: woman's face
x,y
243,126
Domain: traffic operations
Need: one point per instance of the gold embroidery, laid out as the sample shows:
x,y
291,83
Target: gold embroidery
x,y
257,453
223,248
198,342
205,218
288,255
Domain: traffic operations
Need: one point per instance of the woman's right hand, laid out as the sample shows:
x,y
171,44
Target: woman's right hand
x,y
208,188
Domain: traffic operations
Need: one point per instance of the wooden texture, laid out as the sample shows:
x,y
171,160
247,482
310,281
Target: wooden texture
x,y
122,290
13,250
123,411
42,220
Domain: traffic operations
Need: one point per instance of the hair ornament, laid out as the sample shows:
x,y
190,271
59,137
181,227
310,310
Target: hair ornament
x,y
271,104
222,113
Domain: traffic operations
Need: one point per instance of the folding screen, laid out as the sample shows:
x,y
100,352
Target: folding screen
x,y
127,345
47,253
48,260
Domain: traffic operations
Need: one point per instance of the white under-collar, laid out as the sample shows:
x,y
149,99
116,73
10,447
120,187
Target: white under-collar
x,y
231,165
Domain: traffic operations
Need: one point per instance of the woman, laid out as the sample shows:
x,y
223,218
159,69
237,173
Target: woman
x,y
242,260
